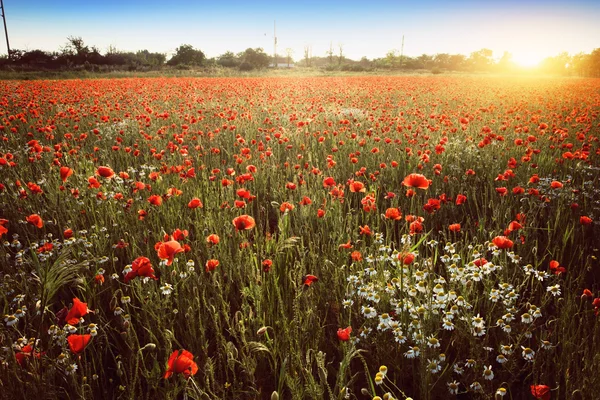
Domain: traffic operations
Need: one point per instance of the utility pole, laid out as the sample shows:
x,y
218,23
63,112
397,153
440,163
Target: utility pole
x,y
402,52
5,29
274,44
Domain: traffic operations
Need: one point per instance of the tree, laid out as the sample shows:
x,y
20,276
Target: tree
x,y
229,60
253,59
391,58
442,60
506,64
330,53
557,64
341,54
424,61
594,63
457,62
188,55
75,50
581,64
481,60
152,59
307,57
37,58
288,53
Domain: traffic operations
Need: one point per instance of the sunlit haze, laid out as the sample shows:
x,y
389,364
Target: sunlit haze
x,y
530,30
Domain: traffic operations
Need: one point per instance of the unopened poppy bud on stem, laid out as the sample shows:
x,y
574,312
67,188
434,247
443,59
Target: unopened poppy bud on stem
x,y
149,346
262,331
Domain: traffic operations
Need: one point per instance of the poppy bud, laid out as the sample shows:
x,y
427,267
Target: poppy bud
x,y
262,330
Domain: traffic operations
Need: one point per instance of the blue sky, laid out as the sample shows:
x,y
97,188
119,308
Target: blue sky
x,y
528,29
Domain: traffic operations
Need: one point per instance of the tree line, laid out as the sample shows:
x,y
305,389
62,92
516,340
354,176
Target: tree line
x,y
75,54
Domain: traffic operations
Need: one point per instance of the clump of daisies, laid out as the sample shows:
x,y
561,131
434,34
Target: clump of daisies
x,y
422,298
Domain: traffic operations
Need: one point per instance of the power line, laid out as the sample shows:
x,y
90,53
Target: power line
x,y
5,29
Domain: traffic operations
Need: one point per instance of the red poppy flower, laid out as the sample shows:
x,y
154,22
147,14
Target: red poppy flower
x,y
142,214
305,201
365,230
320,213
226,182
344,334
587,293
432,206
211,265
243,222
514,226
417,181
328,182
168,250
141,266
290,186
308,280
65,172
243,193
155,200
415,227
584,220
406,258
181,362
267,264
93,183
540,392
502,242
195,203
454,227
356,256
179,234
460,199
78,310
502,191
393,214
357,187
480,261
556,185
35,220
3,229
285,206
24,353
105,172
78,343
212,239
556,268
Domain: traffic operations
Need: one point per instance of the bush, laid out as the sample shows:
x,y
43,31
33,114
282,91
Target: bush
x,y
246,66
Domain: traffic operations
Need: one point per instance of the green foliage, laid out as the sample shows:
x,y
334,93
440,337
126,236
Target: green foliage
x,y
253,59
186,54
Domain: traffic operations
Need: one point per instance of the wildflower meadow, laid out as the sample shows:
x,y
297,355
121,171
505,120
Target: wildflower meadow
x,y
423,237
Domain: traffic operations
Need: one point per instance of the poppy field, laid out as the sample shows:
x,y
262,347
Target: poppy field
x,y
300,238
